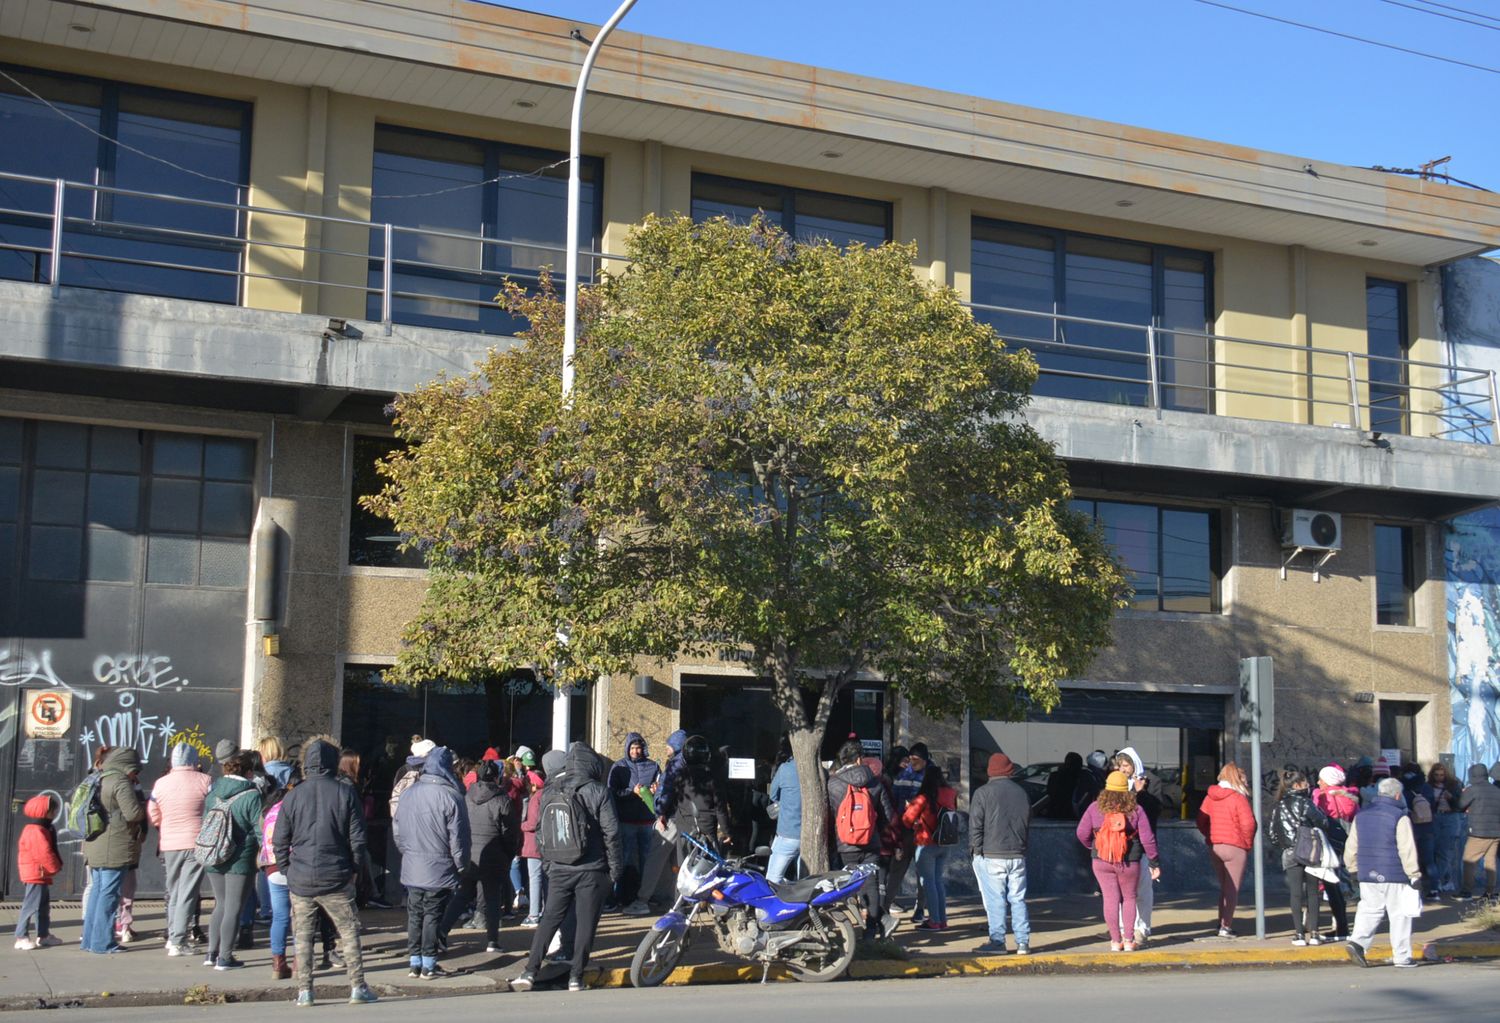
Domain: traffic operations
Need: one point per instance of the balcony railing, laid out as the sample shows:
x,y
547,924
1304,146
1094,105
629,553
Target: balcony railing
x,y
1172,368
58,232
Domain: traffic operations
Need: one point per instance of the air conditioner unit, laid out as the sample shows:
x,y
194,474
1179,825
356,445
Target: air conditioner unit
x,y
1312,530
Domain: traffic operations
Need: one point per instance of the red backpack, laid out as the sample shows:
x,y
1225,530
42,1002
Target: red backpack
x,y
856,821
1112,840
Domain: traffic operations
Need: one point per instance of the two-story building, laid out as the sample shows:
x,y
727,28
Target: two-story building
x,y
230,232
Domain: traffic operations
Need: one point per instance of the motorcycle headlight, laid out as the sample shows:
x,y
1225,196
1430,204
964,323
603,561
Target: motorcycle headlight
x,y
694,872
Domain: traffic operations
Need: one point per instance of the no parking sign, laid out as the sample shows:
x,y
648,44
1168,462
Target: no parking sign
x,y
48,714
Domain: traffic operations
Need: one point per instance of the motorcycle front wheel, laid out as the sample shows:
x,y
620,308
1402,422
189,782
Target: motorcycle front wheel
x,y
656,957
830,964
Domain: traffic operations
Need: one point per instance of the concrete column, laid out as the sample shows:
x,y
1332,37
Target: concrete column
x,y
1298,324
313,197
937,234
651,194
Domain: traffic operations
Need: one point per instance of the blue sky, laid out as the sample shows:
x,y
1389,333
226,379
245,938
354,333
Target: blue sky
x,y
1172,65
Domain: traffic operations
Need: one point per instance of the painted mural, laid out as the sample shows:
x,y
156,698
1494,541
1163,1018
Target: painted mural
x,y
1472,561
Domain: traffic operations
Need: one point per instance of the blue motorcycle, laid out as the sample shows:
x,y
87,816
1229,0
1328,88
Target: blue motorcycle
x,y
810,926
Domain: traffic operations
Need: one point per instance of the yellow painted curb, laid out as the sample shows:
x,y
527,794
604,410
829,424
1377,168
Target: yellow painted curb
x,y
978,966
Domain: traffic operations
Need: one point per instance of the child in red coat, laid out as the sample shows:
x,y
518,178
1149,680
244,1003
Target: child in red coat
x,y
38,863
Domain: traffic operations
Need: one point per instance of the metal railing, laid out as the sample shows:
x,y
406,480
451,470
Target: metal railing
x,y
395,257
1166,368
412,275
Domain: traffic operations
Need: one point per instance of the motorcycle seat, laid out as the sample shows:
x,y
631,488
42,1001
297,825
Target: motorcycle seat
x,y
809,887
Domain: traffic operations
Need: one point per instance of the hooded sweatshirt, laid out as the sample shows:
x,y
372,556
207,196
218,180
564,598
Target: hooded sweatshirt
x,y
666,789
492,830
319,836
859,775
582,779
243,801
176,803
432,826
37,860
627,775
119,845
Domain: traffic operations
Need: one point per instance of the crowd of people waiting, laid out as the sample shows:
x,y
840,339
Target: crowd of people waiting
x,y
559,842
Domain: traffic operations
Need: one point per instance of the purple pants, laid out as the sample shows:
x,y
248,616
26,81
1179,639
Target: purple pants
x,y
1117,883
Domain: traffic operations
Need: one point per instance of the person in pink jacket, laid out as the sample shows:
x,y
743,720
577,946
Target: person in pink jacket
x,y
1118,834
176,810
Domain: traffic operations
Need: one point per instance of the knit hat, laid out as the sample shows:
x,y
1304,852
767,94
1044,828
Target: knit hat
x,y
1118,781
676,740
184,755
1333,774
491,754
422,747
525,756
919,749
224,749
1000,766
1098,760
554,761
1382,768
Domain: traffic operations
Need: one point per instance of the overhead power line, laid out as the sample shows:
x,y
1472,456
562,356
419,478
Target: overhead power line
x,y
1460,10
1352,38
1440,14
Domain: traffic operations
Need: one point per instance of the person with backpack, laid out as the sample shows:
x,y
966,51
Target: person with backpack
x,y
492,844
861,808
1290,829
319,842
37,863
1413,782
1118,834
227,842
432,832
578,835
1382,854
1228,824
924,815
176,811
999,824
630,776
112,844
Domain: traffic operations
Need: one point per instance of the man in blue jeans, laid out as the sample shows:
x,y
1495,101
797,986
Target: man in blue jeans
x,y
115,850
999,822
787,845
631,781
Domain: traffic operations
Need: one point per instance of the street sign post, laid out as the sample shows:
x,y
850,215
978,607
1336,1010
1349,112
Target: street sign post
x,y
1257,723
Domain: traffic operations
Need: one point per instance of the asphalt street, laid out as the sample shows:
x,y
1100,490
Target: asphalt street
x,y
1436,992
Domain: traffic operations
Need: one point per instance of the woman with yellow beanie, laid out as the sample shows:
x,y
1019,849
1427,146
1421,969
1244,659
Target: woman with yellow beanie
x,y
1119,835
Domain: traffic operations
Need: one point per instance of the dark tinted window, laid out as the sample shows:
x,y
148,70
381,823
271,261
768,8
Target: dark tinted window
x,y
126,240
1130,285
444,195
1385,321
1170,555
807,216
373,539
1394,575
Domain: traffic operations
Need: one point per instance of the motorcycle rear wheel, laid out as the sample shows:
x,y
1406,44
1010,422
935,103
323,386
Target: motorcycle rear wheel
x,y
656,957
834,964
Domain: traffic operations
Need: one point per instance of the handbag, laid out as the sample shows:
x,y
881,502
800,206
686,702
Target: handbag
x,y
1310,844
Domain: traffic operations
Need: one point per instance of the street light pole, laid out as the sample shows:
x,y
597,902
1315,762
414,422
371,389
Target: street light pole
x,y
561,707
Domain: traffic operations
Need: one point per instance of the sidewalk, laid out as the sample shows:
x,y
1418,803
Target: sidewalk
x,y
1067,935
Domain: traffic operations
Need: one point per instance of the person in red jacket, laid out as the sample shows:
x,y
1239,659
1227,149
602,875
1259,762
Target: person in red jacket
x,y
1228,823
38,863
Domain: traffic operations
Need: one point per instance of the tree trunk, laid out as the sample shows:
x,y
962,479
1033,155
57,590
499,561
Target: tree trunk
x,y
806,741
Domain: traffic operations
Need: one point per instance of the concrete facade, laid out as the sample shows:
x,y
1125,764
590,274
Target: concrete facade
x,y
1291,253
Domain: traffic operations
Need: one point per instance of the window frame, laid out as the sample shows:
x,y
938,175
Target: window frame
x,y
1410,578
789,194
1216,568
1401,421
106,164
1159,253
350,567
490,272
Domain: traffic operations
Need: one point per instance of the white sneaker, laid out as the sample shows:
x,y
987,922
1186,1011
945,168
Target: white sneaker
x,y
637,908
174,950
26,944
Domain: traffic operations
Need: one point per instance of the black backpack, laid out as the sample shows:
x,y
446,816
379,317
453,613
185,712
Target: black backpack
x,y
562,826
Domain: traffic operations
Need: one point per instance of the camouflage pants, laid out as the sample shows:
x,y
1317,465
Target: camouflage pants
x,y
340,908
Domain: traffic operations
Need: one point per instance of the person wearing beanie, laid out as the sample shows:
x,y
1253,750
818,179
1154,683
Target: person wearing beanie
x,y
1381,855
1480,802
432,832
999,824
1228,823
224,749
1118,835
175,809
421,748
1333,797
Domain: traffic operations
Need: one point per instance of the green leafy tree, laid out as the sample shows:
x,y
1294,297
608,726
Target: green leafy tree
x,y
803,452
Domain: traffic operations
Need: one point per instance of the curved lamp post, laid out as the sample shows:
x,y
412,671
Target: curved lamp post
x,y
561,708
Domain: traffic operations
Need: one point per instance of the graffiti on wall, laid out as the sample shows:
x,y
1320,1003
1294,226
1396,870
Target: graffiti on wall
x,y
1472,562
130,726
27,669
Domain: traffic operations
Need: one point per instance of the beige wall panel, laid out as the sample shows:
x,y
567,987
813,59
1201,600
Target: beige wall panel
x,y
376,609
1152,649
310,619
1254,301
309,460
654,716
295,696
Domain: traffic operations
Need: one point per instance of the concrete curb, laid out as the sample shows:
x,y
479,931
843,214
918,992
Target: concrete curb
x,y
1245,955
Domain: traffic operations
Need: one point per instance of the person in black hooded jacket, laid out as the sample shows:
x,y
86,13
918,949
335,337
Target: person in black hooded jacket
x,y
493,830
854,773
585,883
319,843
696,804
